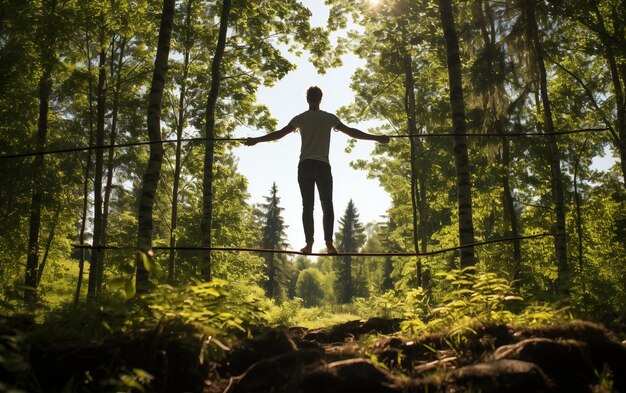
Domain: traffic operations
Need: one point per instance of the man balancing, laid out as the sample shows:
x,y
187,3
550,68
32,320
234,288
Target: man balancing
x,y
314,167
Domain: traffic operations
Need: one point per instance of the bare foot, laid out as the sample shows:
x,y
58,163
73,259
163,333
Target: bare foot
x,y
307,249
330,248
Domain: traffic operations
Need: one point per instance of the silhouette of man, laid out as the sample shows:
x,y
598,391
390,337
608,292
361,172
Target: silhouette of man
x,y
314,167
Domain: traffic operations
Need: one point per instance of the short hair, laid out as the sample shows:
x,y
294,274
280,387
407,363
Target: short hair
x,y
314,94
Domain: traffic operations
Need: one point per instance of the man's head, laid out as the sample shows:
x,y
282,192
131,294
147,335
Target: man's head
x,y
314,95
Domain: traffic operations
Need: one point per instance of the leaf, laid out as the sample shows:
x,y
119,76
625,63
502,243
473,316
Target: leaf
x,y
143,375
117,283
148,264
130,288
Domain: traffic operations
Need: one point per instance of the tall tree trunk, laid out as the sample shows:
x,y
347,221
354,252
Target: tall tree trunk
x,y
409,107
47,35
116,72
32,261
153,171
97,254
579,217
560,240
618,86
419,202
209,154
88,164
461,157
180,125
497,121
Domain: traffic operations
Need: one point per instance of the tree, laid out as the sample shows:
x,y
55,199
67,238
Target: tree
x,y
350,238
209,155
606,24
47,36
489,77
153,171
309,287
461,159
273,238
186,42
536,51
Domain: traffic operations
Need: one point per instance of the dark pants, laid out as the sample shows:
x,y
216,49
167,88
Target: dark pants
x,y
310,173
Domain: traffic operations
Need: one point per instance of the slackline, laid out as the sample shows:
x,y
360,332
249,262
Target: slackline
x,y
119,145
362,254
132,144
512,134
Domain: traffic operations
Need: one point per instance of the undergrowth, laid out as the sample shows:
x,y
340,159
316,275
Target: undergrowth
x,y
191,325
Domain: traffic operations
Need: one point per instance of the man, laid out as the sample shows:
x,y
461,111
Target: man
x,y
314,167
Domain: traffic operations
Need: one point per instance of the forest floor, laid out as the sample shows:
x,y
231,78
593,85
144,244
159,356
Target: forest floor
x,y
358,356
574,356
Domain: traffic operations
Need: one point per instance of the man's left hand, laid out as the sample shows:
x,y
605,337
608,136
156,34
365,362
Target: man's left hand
x,y
383,139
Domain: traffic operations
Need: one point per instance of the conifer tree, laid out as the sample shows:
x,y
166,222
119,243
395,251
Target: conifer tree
x,y
276,268
350,238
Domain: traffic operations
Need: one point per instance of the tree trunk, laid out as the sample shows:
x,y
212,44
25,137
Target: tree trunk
x,y
46,34
461,158
32,260
88,164
44,260
153,171
618,87
497,121
409,107
509,207
180,125
97,254
207,186
108,189
579,217
560,240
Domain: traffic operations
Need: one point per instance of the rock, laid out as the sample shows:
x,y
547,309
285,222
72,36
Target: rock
x,y
572,364
601,348
381,325
346,376
501,376
271,343
272,373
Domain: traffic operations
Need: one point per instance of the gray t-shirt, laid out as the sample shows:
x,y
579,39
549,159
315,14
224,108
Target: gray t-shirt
x,y
315,126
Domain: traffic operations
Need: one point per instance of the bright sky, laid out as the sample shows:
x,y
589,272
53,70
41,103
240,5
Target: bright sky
x,y
277,161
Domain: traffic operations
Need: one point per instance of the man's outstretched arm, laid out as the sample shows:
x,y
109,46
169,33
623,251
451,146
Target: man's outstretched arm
x,y
358,134
272,136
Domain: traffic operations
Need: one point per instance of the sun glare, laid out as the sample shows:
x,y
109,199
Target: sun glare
x,y
373,3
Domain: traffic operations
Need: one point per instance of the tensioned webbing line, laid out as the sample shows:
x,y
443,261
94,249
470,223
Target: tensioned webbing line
x,y
132,144
362,254
512,134
119,145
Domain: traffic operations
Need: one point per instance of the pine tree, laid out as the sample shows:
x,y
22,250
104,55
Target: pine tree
x,y
350,238
273,238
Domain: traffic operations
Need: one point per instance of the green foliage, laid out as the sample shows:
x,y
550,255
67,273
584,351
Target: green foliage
x,y
473,298
216,307
137,380
474,295
309,287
